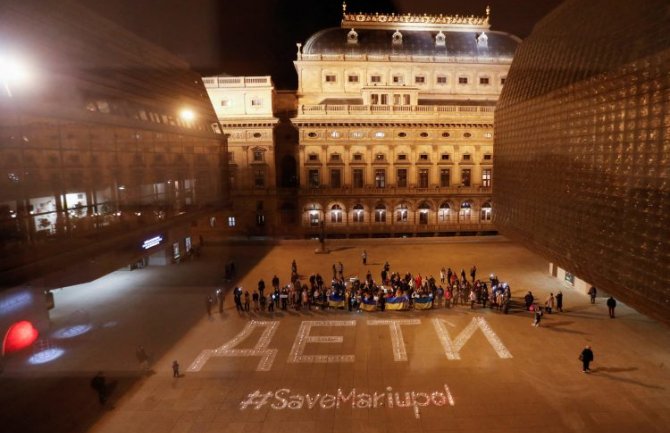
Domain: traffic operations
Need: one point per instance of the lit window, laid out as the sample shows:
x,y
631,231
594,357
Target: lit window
x,y
486,212
380,213
465,212
380,178
380,134
488,135
462,80
231,221
359,214
357,134
336,214
401,213
335,134
486,177
444,214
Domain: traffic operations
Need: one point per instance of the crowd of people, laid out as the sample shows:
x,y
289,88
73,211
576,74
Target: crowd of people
x,y
393,290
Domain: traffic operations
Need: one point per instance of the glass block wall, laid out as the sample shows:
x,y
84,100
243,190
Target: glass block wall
x,y
582,139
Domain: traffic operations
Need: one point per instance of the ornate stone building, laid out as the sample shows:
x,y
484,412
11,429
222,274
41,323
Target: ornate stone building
x,y
390,132
395,119
583,148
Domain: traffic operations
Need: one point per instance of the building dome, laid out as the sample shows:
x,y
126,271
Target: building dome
x,y
413,42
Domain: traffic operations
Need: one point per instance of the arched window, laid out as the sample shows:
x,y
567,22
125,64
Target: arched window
x,y
359,214
380,213
313,211
486,211
336,214
444,213
466,211
424,211
401,213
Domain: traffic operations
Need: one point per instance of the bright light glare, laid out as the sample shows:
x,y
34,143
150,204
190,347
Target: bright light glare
x,y
13,72
72,331
187,114
46,356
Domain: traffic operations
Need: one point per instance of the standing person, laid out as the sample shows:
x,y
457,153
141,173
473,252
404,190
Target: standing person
x,y
219,297
592,293
98,383
364,256
473,298
586,357
549,303
559,301
255,297
271,304
237,294
246,300
175,369
334,271
473,272
538,315
142,358
443,274
208,305
340,269
261,287
611,305
294,267
275,282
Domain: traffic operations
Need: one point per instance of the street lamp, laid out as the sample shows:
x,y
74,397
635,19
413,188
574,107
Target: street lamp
x,y
13,71
187,114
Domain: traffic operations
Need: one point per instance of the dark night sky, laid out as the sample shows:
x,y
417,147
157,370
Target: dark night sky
x,y
257,37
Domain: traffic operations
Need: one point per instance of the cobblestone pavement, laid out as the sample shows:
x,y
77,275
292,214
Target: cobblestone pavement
x,y
441,370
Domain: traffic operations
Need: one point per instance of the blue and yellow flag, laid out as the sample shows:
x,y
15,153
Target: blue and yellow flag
x,y
423,303
368,305
398,303
335,301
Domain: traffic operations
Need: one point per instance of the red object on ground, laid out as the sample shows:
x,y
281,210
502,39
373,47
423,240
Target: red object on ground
x,y
19,336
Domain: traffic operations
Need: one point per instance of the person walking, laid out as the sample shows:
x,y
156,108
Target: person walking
x,y
175,369
549,303
592,294
559,301
586,357
246,301
255,297
99,384
208,305
364,256
219,297
538,315
611,305
443,274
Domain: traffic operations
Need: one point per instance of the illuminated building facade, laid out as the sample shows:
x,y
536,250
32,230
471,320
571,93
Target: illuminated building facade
x,y
395,120
111,140
582,162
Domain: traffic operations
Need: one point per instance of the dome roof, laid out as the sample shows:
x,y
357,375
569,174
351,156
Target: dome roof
x,y
414,42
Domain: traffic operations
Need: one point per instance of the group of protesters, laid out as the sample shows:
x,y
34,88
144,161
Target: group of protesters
x,y
393,291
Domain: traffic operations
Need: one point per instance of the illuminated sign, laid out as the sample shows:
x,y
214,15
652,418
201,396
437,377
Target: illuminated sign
x,y
150,243
19,336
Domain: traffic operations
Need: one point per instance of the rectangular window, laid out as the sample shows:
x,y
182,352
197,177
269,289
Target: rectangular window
x,y
313,178
313,157
444,157
396,99
406,99
258,155
419,79
402,157
314,218
423,157
445,177
357,178
374,99
402,178
488,157
231,157
375,78
225,103
462,80
231,221
358,157
380,178
335,157
335,178
486,177
331,78
442,80
465,177
398,79
466,157
384,99
256,102
259,178
379,157
484,80
502,81
353,78
380,215
423,178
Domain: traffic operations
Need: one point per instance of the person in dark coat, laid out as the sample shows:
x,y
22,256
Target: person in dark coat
x,y
592,293
586,357
99,384
559,301
611,305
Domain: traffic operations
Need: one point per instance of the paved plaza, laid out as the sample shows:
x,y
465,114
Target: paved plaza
x,y
446,370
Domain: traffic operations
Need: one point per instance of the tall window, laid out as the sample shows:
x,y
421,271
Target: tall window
x,y
445,177
357,178
465,212
380,213
336,214
486,212
444,213
402,213
359,214
402,178
313,178
380,178
424,211
259,177
335,178
313,217
423,178
465,177
486,177
258,155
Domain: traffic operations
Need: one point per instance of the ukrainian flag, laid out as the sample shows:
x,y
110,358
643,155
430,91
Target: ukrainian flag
x,y
336,301
398,303
368,305
423,303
